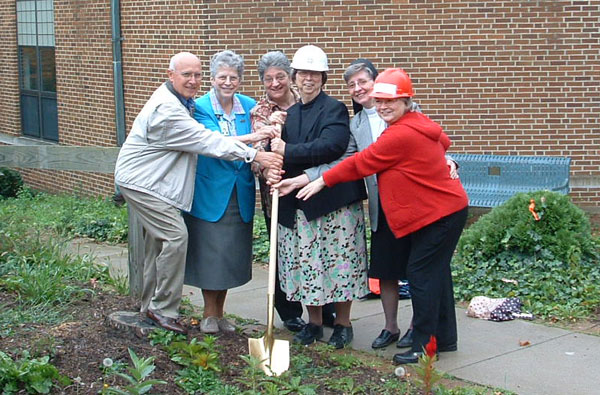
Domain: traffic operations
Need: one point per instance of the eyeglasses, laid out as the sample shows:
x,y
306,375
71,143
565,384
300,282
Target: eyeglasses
x,y
306,73
188,75
361,83
223,78
279,78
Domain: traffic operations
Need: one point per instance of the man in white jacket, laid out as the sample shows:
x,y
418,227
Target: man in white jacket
x,y
155,172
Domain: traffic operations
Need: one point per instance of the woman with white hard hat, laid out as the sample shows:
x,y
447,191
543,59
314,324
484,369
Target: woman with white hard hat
x,y
275,73
321,242
425,207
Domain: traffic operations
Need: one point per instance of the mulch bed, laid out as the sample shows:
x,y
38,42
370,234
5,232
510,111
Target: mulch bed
x,y
80,344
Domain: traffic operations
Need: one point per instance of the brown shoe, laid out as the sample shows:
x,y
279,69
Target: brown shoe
x,y
167,323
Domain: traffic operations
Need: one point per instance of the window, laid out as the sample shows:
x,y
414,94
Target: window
x,y
37,71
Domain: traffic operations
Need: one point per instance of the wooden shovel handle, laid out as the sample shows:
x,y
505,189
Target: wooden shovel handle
x,y
273,243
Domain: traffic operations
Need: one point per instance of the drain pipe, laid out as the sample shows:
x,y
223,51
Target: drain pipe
x,y
115,17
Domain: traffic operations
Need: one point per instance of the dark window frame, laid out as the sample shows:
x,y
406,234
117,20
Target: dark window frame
x,y
39,113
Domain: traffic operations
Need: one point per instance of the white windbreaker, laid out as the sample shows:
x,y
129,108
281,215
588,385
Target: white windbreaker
x,y
160,153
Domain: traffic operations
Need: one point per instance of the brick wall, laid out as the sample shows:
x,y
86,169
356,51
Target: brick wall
x,y
519,78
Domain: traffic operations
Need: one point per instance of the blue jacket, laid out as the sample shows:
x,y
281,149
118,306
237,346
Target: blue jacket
x,y
215,178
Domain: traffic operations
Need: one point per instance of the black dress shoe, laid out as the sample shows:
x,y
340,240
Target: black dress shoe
x,y
294,324
167,323
328,320
447,347
341,337
409,357
384,339
406,340
309,334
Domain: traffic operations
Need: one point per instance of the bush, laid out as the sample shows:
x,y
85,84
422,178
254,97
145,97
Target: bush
x,y
554,261
11,182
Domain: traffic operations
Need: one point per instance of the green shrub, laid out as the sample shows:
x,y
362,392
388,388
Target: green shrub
x,y
11,182
554,261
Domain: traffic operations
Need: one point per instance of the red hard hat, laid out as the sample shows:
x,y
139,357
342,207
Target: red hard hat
x,y
392,84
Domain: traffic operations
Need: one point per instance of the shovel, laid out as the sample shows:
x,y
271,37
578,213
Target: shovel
x,y
274,354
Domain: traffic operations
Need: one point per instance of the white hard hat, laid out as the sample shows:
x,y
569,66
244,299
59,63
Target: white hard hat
x,y
310,57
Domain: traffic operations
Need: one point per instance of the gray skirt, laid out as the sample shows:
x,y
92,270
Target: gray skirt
x,y
219,254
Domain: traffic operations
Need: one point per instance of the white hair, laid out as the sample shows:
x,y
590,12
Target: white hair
x,y
178,57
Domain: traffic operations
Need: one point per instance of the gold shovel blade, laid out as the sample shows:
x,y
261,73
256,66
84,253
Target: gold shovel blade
x,y
279,359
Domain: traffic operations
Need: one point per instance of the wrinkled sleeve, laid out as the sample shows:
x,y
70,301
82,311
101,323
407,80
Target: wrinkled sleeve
x,y
383,154
317,171
171,127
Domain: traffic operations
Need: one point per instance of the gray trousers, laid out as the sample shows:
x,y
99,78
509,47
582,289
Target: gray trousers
x,y
165,242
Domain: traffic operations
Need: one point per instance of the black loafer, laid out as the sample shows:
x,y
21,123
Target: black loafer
x,y
341,337
447,347
294,324
309,334
328,320
384,339
406,340
409,357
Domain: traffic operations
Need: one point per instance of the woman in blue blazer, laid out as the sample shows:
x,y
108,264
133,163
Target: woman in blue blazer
x,y
219,224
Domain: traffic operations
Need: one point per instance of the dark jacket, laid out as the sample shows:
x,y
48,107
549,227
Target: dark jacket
x,y
315,133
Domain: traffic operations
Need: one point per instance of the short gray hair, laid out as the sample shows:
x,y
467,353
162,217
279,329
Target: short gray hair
x,y
226,58
273,59
357,68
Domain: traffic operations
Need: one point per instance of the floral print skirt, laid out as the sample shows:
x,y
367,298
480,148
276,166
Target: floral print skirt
x,y
324,260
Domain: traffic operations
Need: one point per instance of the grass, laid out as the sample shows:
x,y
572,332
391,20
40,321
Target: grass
x,y
34,267
67,215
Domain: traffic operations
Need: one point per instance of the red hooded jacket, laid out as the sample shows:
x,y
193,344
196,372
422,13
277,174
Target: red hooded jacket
x,y
414,183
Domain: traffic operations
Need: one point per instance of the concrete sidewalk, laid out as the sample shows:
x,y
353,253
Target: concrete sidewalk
x,y
557,361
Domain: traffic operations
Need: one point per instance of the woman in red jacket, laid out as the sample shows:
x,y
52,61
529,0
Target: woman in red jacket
x,y
424,206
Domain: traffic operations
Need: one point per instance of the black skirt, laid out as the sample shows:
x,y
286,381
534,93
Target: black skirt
x,y
389,255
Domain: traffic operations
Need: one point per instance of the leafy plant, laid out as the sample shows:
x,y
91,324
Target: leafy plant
x,y
164,337
137,377
305,366
346,385
252,373
195,380
346,360
259,383
286,384
196,353
550,263
35,375
260,242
